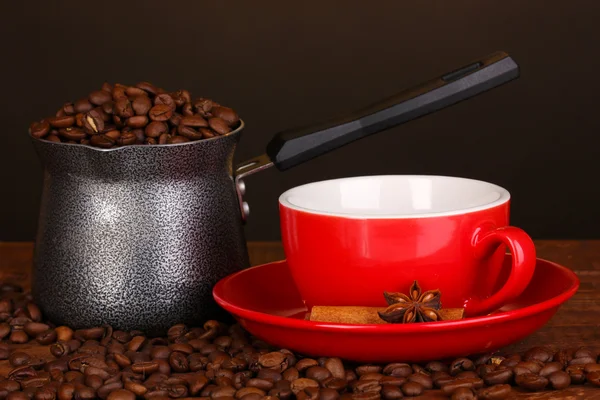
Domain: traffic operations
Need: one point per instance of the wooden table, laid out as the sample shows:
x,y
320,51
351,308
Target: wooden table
x,y
577,323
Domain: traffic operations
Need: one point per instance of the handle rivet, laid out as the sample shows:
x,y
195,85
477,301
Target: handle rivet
x,y
241,187
246,209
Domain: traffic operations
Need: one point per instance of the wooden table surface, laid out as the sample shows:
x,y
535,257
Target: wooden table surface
x,y
577,323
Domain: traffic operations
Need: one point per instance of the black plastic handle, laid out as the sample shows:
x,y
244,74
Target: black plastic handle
x,y
293,147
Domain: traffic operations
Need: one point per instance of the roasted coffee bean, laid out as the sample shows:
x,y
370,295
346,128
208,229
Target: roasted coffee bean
x,y
538,354
366,385
366,369
160,112
582,361
62,122
511,360
133,91
436,366
226,114
195,121
64,333
464,394
82,106
594,378
450,387
559,380
165,99
46,337
105,390
461,364
146,368
72,133
531,382
39,129
219,126
467,375
499,376
189,132
19,358
391,392
138,121
270,374
306,363
422,379
398,369
99,97
318,373
126,139
155,128
496,392
302,383
412,389
178,362
108,108
123,108
204,106
102,141
18,337
141,105
550,367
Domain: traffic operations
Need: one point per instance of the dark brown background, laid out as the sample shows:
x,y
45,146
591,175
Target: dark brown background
x,y
282,64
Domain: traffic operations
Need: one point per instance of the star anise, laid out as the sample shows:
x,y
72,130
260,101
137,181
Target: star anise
x,y
417,307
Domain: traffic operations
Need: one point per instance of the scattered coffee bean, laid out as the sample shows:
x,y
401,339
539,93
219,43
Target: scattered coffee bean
x,y
496,392
531,381
594,378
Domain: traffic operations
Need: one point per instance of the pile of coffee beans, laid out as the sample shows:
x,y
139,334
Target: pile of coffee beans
x,y
216,361
120,115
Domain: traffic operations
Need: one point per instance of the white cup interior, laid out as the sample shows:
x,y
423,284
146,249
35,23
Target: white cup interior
x,y
395,196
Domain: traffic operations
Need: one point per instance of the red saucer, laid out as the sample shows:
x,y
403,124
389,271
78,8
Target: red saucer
x,y
265,301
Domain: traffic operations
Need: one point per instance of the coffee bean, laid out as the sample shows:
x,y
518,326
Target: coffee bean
x,y
39,129
390,392
203,106
226,114
107,87
461,364
4,350
133,91
422,379
47,337
412,389
398,369
62,122
123,108
155,128
93,381
72,133
467,375
146,368
496,392
463,394
178,362
302,383
582,361
550,368
594,378
82,106
93,121
318,373
160,112
559,380
218,125
499,376
99,97
531,382
102,141
187,109
141,105
19,358
450,387
195,121
139,121
539,354
165,99
189,132
147,87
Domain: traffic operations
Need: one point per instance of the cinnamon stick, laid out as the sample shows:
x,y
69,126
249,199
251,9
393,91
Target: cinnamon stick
x,y
365,315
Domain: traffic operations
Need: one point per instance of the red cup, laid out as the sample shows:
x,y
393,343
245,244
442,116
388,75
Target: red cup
x,y
348,240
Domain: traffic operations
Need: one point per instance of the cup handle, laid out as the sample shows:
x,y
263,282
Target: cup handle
x,y
523,265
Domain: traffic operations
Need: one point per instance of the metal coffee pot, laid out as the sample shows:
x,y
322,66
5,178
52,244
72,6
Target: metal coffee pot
x,y
137,236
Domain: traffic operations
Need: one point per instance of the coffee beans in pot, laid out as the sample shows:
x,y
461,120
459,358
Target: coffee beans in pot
x,y
119,115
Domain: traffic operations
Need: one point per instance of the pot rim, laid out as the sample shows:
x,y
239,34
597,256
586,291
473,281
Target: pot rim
x,y
234,132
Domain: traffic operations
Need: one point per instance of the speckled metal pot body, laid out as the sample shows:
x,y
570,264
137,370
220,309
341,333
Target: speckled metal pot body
x,y
136,237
